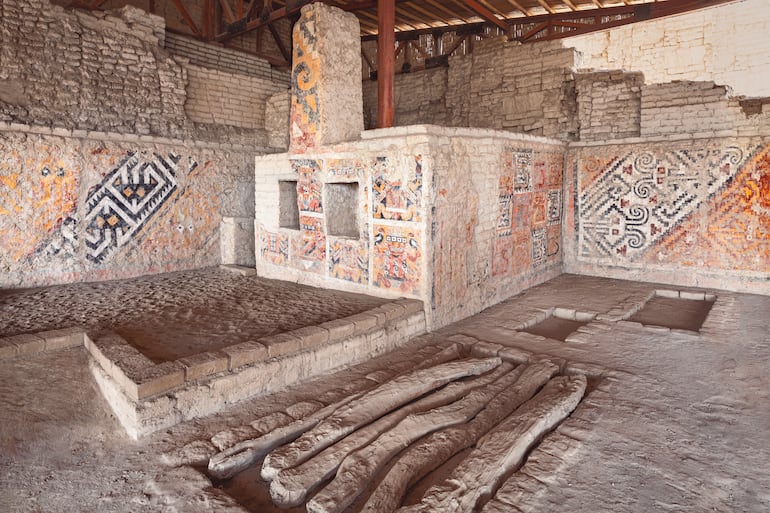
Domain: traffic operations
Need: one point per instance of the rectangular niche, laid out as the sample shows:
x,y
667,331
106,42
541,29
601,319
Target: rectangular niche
x,y
341,203
684,313
288,216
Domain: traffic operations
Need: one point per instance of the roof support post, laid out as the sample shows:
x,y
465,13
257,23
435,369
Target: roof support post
x,y
386,62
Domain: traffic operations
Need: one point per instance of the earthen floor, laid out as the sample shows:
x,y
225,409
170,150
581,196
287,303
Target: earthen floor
x,y
674,420
170,316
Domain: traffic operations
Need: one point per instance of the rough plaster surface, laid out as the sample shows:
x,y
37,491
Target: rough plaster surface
x,y
675,420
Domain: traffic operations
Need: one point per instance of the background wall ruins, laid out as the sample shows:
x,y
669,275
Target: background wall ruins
x,y
501,85
727,45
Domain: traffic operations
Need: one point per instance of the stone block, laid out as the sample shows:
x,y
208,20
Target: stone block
x,y
338,329
486,349
363,322
311,336
204,364
246,353
64,338
515,355
156,379
411,306
27,343
281,344
693,295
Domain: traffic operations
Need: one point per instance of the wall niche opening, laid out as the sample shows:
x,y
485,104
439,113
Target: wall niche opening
x,y
342,209
288,216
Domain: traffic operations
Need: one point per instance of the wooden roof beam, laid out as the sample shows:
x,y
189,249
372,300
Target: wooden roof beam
x,y
545,5
487,14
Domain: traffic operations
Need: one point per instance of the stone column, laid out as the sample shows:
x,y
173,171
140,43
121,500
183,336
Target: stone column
x,y
326,99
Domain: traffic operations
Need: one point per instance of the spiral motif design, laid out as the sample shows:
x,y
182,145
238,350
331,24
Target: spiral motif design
x,y
636,238
643,188
646,162
733,155
637,215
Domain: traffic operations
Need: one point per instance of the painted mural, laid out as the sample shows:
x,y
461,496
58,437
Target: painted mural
x,y
274,247
305,115
397,190
309,193
397,259
126,199
73,210
309,249
529,211
696,205
38,199
733,230
349,260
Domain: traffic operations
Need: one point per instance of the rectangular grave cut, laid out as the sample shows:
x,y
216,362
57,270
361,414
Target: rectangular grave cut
x,y
556,328
674,313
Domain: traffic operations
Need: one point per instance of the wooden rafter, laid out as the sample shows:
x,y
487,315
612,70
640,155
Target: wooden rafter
x,y
187,18
486,14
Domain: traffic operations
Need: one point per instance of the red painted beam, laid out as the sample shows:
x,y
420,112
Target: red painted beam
x,y
386,62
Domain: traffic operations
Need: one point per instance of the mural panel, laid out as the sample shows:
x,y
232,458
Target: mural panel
x,y
643,196
38,198
733,229
397,259
309,194
305,115
396,191
532,179
309,252
349,260
274,247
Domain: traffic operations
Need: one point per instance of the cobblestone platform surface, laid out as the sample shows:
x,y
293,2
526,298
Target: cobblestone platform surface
x,y
173,315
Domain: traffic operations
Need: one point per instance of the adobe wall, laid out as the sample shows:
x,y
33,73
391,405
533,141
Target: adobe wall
x,y
459,218
109,166
687,211
501,85
726,44
105,206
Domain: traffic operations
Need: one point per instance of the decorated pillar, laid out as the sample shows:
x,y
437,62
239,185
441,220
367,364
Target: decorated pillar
x,y
326,99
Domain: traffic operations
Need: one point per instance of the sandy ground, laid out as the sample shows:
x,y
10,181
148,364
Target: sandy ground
x,y
685,428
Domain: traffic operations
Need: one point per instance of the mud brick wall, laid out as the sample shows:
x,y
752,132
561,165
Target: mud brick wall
x,y
98,71
277,110
727,44
223,59
609,104
225,98
420,98
698,108
80,208
520,88
501,85
458,218
693,212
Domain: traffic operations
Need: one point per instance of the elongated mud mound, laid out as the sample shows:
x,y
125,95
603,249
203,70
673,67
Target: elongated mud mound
x,y
460,428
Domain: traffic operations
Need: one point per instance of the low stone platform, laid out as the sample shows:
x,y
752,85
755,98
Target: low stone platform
x,y
153,381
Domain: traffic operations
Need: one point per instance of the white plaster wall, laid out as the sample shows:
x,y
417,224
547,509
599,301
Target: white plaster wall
x,y
727,44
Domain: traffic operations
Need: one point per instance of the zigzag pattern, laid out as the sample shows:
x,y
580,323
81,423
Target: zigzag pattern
x,y
125,200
